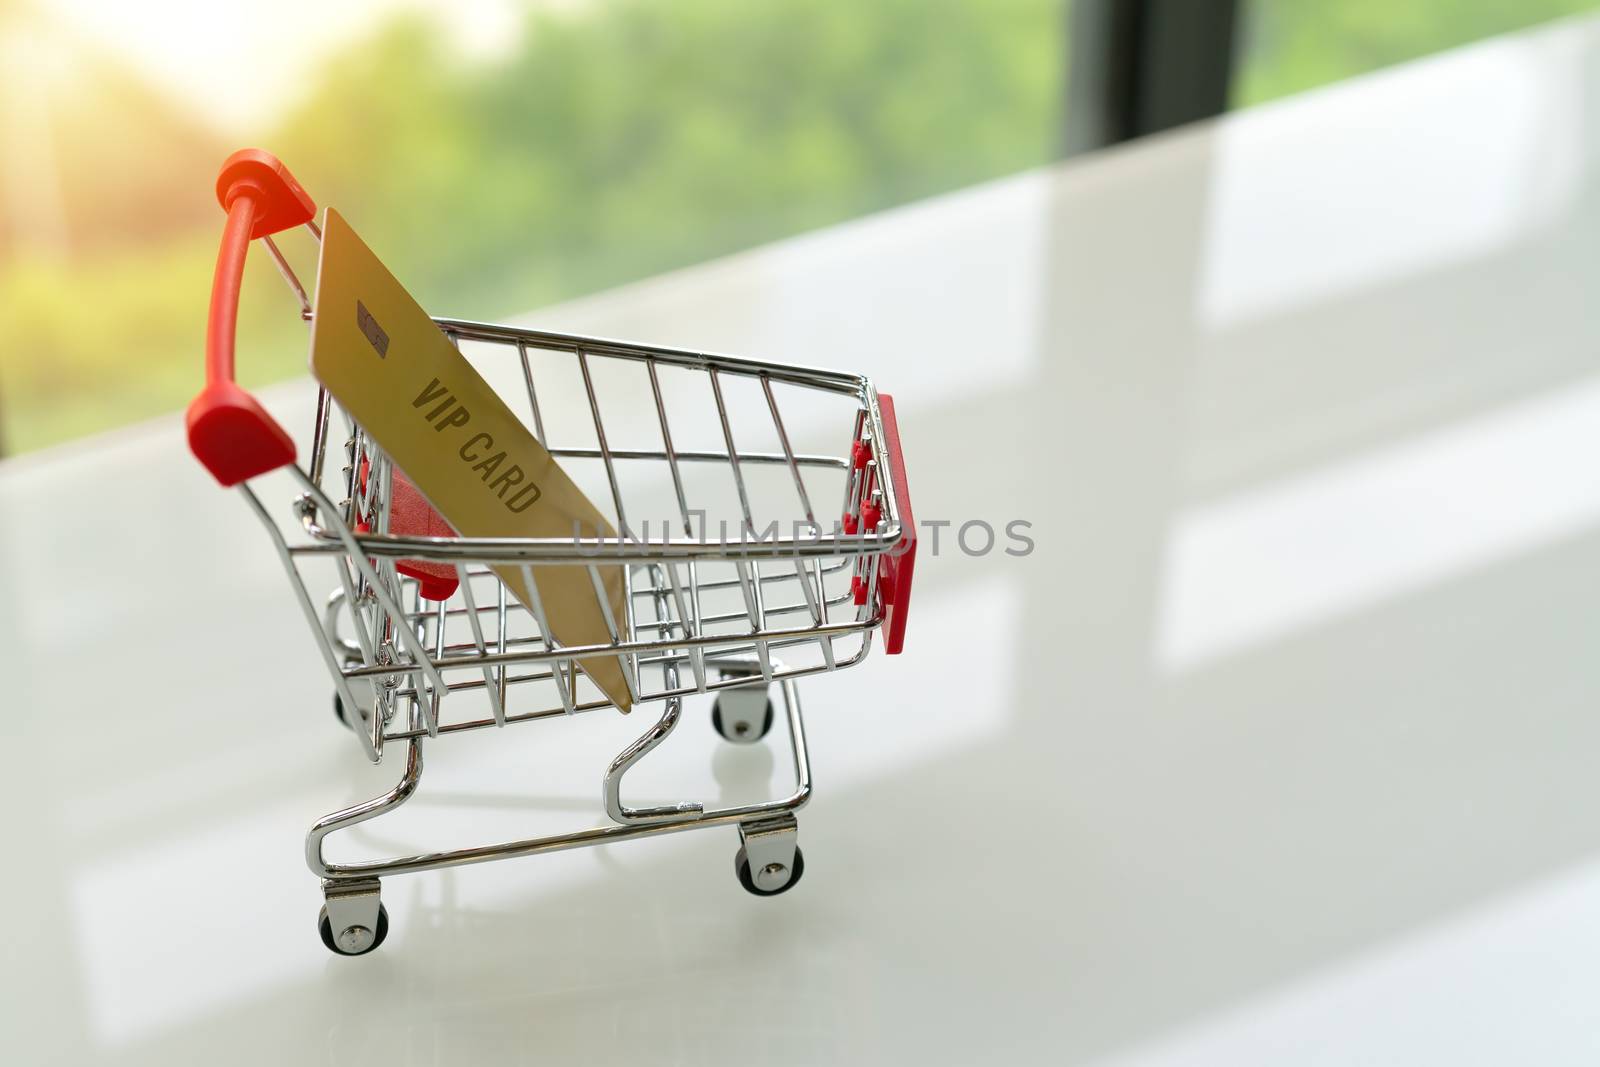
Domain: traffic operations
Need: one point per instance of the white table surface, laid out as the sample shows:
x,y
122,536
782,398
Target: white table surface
x,y
1280,748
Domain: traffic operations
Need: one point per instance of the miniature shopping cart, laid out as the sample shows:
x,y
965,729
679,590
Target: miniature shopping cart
x,y
748,581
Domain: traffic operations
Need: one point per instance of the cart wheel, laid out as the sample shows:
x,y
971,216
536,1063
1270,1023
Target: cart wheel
x,y
738,738
358,935
746,879
338,704
343,717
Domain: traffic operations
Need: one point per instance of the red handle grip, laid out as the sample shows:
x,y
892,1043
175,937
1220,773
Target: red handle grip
x,y
229,432
895,567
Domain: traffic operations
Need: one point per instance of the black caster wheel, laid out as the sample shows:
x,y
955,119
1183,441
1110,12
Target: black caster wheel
x,y
360,949
746,879
338,704
738,738
340,713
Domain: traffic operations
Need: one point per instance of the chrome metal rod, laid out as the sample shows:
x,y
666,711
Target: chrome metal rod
x,y
812,377
429,861
533,397
600,435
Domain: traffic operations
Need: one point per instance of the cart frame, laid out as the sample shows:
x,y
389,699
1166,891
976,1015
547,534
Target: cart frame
x,y
384,632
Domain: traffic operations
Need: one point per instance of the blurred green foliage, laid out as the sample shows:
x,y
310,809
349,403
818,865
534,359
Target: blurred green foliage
x,y
636,136
1289,46
614,139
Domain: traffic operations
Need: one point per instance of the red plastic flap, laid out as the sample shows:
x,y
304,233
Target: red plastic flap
x,y
411,515
280,201
233,436
896,566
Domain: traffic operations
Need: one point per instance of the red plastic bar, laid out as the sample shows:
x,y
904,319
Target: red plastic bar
x,y
410,515
895,566
230,433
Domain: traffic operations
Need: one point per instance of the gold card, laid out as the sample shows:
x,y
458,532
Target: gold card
x,y
393,369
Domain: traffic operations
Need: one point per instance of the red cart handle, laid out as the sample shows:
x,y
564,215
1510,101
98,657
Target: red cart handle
x,y
896,565
229,432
